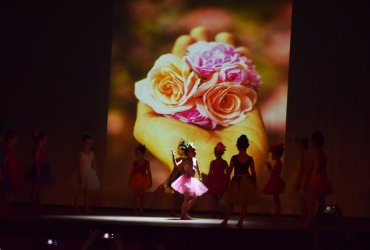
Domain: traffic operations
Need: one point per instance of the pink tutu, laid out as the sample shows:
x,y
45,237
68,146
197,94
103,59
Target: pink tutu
x,y
189,185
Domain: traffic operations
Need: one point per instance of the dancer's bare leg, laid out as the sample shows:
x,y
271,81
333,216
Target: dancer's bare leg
x,y
243,213
184,207
227,214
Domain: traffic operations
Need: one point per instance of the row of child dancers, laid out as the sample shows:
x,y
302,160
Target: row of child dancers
x,y
240,190
39,175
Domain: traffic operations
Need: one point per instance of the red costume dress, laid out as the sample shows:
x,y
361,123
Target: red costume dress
x,y
275,184
217,177
45,177
139,178
13,170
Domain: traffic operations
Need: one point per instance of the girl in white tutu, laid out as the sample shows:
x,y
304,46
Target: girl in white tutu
x,y
187,184
87,178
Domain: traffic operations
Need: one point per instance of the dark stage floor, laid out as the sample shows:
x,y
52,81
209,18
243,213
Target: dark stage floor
x,y
118,229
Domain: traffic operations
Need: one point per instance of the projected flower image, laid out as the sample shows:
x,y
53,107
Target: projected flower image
x,y
212,85
205,71
205,91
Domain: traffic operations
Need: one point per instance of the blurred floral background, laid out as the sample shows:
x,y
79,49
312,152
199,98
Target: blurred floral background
x,y
145,29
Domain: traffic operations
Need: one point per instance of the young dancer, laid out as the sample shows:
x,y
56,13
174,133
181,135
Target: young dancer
x,y
275,185
318,185
140,179
87,178
217,177
187,184
11,167
39,174
243,188
303,176
5,187
176,173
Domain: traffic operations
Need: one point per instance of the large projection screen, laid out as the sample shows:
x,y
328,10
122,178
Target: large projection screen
x,y
247,92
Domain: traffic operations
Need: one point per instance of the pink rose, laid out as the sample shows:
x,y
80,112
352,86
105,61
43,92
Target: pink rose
x,y
227,103
233,72
206,58
193,116
252,78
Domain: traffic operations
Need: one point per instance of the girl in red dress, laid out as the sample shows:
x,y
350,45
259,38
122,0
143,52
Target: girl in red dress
x,y
39,174
275,185
140,179
217,177
11,167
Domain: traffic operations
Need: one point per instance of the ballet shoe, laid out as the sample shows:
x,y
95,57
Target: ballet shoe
x,y
239,224
223,223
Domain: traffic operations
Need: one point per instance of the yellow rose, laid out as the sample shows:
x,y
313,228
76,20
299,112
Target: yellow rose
x,y
227,103
169,86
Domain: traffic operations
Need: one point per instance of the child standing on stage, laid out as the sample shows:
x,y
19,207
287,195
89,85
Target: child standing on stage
x,y
303,176
275,185
39,174
319,185
217,177
140,179
242,189
187,184
87,177
176,173
11,167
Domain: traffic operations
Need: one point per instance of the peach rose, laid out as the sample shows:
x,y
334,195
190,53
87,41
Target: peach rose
x,y
227,103
169,86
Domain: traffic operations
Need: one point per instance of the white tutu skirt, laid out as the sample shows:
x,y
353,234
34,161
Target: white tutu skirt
x,y
90,180
189,186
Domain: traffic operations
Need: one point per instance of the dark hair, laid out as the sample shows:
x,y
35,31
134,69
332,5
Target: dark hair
x,y
86,136
141,148
318,138
304,142
279,151
9,134
2,128
242,142
38,135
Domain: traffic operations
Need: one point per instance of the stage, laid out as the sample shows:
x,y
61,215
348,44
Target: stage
x,y
61,228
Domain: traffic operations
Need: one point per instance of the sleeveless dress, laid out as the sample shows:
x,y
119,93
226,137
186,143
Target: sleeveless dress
x,y
187,184
31,176
242,190
5,185
139,179
12,169
217,177
319,184
275,185
89,178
